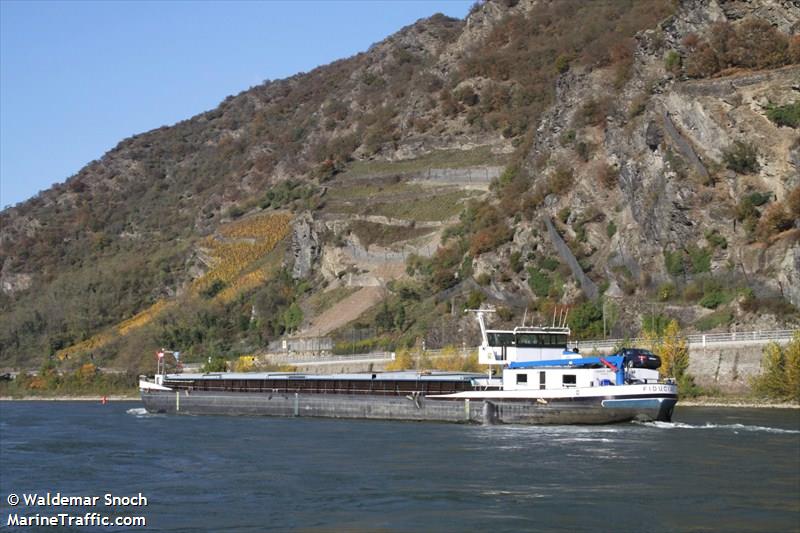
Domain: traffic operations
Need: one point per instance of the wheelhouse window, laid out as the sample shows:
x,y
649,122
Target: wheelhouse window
x,y
541,340
569,380
522,378
496,338
541,380
528,340
557,341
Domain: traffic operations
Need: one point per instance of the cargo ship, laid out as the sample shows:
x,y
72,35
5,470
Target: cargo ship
x,y
533,378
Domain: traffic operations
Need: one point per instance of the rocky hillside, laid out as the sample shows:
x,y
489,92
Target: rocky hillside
x,y
644,167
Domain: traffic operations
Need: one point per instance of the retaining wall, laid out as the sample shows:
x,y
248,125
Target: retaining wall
x,y
728,368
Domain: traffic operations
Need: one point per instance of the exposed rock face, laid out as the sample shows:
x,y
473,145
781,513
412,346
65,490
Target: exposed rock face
x,y
653,135
788,275
305,246
587,285
684,147
11,283
780,13
663,151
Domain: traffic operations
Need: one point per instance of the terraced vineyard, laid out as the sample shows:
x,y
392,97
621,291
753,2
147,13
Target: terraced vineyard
x,y
399,200
437,159
234,250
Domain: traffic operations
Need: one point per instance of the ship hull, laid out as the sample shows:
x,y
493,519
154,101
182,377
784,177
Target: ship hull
x,y
484,410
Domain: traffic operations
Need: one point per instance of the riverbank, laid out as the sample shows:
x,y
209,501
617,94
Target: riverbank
x,y
749,403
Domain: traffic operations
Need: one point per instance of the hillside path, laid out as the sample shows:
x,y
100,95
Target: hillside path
x,y
343,312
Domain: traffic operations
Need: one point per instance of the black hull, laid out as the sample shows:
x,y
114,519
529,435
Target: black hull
x,y
410,408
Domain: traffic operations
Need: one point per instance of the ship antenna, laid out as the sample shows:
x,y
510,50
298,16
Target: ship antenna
x,y
554,315
524,317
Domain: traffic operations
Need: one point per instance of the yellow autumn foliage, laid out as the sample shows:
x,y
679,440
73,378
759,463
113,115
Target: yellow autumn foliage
x,y
143,318
779,378
92,343
123,328
86,372
242,284
673,349
451,359
245,363
255,238
403,360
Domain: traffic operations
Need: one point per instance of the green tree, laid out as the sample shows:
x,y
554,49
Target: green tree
x,y
400,317
213,289
384,319
586,320
215,363
293,317
539,282
674,262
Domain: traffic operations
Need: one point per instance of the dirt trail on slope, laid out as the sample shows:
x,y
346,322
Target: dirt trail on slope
x,y
343,312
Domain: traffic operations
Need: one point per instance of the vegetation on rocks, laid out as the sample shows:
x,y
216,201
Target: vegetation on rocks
x,y
752,43
785,115
742,157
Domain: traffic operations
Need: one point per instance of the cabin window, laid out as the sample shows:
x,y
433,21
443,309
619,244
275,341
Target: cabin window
x,y
557,341
541,380
568,380
527,340
500,339
537,340
522,378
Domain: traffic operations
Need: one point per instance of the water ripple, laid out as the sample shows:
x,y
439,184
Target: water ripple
x,y
708,425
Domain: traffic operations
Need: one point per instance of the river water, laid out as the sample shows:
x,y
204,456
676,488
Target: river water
x,y
711,470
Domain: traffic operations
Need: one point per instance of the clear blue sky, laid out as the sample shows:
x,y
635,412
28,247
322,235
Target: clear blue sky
x,y
78,77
